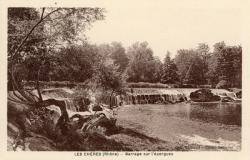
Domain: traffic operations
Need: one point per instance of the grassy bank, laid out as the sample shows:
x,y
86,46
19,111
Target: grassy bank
x,y
123,140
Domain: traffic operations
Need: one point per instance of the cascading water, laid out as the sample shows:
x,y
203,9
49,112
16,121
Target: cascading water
x,y
224,93
137,96
164,96
73,104
61,94
70,104
153,96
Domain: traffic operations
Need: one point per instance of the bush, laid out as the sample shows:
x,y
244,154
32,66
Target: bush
x,y
55,84
205,86
188,86
223,84
147,85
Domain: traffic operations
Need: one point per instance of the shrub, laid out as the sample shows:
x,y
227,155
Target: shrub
x,y
147,85
223,84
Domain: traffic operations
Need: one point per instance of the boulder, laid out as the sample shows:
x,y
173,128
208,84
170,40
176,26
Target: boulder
x,y
237,91
227,99
204,95
239,94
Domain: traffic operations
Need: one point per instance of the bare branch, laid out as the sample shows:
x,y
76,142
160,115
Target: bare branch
x,y
42,12
37,85
50,13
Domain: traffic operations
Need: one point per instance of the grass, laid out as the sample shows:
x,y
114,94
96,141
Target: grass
x,y
55,84
147,85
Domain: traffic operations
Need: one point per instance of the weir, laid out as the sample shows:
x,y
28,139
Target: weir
x,y
61,94
134,96
167,95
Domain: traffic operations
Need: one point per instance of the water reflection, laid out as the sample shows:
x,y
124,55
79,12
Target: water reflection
x,y
224,113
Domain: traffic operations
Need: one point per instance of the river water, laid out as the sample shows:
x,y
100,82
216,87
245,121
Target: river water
x,y
207,124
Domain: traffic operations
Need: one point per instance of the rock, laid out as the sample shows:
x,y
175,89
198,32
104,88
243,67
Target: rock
x,y
227,99
237,91
204,95
39,143
239,94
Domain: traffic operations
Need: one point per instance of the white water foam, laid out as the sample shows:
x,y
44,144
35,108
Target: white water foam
x,y
196,139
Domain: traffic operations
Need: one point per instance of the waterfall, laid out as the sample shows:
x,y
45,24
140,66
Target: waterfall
x,y
70,104
224,93
167,95
60,94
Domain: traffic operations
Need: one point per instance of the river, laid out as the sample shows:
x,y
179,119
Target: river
x,y
216,125
203,126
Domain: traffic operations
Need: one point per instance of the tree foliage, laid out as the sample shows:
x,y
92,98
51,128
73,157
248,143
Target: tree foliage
x,y
76,63
118,54
49,44
195,74
142,65
183,61
201,66
212,73
230,65
169,72
35,35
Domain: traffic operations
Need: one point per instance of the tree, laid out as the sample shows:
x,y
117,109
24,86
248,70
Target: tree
x,y
109,79
20,22
194,74
183,60
76,63
212,74
142,63
203,52
169,71
219,46
119,56
230,65
37,35
54,27
158,69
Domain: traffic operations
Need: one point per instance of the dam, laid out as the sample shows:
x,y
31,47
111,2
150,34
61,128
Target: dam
x,y
167,95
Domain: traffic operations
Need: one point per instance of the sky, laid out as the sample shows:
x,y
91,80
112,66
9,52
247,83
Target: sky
x,y
168,26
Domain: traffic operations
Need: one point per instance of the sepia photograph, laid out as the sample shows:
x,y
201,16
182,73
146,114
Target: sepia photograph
x,y
142,77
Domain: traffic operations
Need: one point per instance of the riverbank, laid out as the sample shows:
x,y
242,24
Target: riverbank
x,y
134,134
124,139
172,127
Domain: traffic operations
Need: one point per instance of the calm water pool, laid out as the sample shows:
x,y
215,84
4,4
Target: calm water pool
x,y
224,113
206,124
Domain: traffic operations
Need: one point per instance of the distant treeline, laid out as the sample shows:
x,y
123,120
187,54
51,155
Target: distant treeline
x,y
199,66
